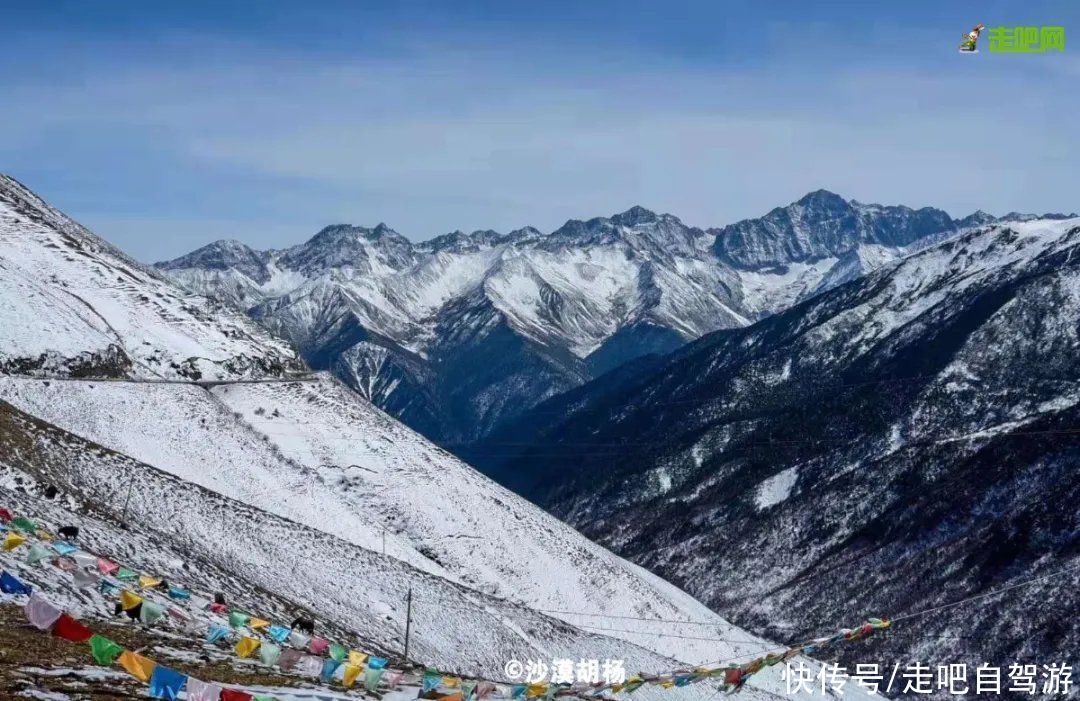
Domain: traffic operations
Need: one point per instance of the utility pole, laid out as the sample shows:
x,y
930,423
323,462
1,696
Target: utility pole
x,y
408,622
127,500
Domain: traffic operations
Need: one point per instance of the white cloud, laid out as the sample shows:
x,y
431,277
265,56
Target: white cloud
x,y
505,137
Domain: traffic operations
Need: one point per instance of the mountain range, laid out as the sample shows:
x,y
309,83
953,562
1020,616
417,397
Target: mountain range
x,y
900,443
457,335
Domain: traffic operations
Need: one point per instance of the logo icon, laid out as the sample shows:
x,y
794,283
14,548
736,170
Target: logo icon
x,y
967,44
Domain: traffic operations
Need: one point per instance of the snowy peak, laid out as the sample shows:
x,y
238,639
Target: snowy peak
x,y
225,255
822,225
372,251
639,229
460,242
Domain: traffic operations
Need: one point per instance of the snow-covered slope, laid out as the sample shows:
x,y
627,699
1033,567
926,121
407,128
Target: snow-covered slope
x,y
293,484
203,541
903,441
73,301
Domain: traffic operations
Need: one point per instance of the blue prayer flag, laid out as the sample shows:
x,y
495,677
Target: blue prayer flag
x,y
166,683
10,585
279,633
64,548
329,666
217,632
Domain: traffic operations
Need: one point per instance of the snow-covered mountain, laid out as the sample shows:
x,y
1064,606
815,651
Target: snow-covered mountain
x,y
460,333
903,441
284,483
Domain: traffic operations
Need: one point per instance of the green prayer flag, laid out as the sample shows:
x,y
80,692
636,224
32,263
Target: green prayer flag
x,y
150,612
37,553
238,619
125,573
372,677
104,650
338,652
24,524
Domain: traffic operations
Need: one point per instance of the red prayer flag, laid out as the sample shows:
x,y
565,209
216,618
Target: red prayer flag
x,y
234,695
6,516
733,676
69,629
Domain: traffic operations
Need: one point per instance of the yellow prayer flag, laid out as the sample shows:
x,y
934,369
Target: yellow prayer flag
x,y
451,682
257,623
13,541
352,671
129,600
247,646
357,658
147,582
142,668
536,690
667,683
45,535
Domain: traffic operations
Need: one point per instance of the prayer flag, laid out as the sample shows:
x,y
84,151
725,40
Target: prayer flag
x,y
279,633
10,585
104,650
13,540
41,613
129,600
71,630
329,666
84,580
217,632
247,646
148,582
37,553
235,695
63,548
258,623
85,559
288,659
376,662
126,574
202,691
238,619
318,646
166,683
136,665
351,673
338,652
178,593
269,654
151,612
24,524
357,658
309,666
372,677
107,566
66,564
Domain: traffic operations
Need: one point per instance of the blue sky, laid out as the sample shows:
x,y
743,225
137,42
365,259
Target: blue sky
x,y
164,126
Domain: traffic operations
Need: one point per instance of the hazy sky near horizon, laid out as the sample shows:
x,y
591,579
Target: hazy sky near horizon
x,y
164,126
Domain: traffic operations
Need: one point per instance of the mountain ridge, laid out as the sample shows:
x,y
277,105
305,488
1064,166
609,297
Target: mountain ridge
x,y
904,440
542,312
